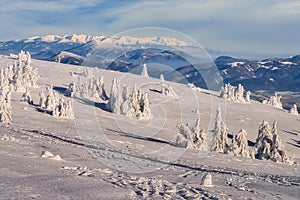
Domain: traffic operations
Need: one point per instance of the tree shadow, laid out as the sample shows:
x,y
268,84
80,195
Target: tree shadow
x,y
61,90
41,110
250,143
295,144
102,106
155,90
131,135
290,132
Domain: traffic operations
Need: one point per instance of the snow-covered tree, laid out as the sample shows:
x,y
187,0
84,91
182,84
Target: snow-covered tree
x,y
27,97
161,78
55,104
239,145
248,99
294,110
274,100
5,107
88,86
145,71
21,74
191,137
220,142
51,98
269,146
132,104
239,94
235,94
5,99
63,109
193,87
166,90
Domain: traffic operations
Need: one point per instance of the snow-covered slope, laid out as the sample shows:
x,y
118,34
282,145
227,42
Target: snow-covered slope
x,y
91,169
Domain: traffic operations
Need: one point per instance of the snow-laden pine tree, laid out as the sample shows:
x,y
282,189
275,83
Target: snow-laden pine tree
x,y
239,94
55,104
274,100
63,109
235,94
51,98
278,152
294,110
24,74
166,90
183,136
199,137
145,71
21,74
193,87
161,78
191,137
269,146
27,97
5,100
132,104
228,92
247,98
220,141
239,145
87,86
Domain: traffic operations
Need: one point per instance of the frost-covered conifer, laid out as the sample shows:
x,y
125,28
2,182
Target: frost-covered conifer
x,y
220,142
21,74
88,86
239,94
269,146
166,90
191,137
56,105
145,71
274,101
63,109
27,97
193,87
161,78
5,108
134,104
239,144
294,110
5,100
50,99
235,94
248,99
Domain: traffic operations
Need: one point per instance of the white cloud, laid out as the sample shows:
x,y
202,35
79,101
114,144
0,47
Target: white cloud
x,y
265,26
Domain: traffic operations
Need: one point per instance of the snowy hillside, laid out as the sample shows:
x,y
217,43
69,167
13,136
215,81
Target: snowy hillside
x,y
103,155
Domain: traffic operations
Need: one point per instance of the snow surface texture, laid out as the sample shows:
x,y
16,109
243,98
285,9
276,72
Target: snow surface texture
x,y
80,176
235,94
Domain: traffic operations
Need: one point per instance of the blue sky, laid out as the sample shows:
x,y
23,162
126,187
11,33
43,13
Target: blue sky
x,y
265,27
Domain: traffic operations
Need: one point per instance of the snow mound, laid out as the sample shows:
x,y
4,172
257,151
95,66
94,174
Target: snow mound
x,y
207,180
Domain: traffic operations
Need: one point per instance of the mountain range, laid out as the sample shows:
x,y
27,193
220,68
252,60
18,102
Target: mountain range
x,y
128,54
